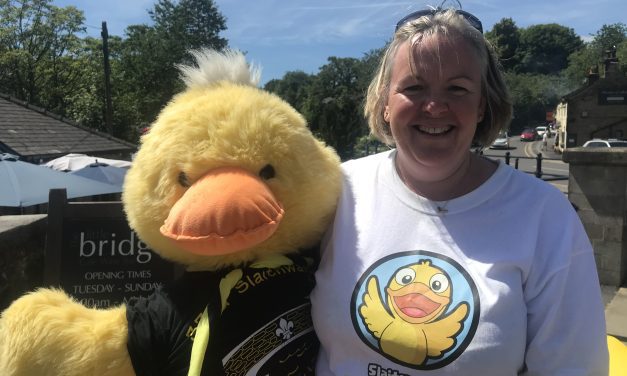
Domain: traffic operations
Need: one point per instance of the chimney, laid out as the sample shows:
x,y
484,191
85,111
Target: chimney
x,y
593,75
611,63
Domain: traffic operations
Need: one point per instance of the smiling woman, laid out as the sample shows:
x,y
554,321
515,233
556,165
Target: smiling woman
x,y
433,110
416,250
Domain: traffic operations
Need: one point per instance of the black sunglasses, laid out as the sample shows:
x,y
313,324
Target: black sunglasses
x,y
471,19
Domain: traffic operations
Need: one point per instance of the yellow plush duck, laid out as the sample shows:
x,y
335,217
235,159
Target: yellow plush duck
x,y
230,183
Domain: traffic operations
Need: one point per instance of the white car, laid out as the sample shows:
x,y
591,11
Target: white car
x,y
609,143
542,130
501,142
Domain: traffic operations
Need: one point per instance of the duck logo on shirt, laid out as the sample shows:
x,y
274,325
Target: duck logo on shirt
x,y
418,309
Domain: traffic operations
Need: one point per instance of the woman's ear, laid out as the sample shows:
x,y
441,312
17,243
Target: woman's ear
x,y
386,114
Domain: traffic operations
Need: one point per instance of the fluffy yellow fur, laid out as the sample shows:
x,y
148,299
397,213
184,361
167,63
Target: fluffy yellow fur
x,y
210,125
231,124
51,334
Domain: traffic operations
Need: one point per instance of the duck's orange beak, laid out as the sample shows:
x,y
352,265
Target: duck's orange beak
x,y
226,211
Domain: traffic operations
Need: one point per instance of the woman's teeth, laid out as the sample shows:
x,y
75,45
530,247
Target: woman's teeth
x,y
432,130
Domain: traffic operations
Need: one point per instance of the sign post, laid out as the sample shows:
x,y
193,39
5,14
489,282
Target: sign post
x,y
93,255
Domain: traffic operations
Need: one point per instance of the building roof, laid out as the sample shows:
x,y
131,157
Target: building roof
x,y
36,134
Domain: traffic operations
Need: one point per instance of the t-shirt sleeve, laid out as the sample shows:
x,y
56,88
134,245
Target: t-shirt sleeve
x,y
157,340
566,323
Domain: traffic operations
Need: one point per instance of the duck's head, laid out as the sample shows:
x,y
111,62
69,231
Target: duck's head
x,y
419,293
229,173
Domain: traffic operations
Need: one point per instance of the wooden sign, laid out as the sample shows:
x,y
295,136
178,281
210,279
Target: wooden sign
x,y
93,255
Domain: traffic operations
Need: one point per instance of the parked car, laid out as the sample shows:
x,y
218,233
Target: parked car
x,y
501,142
541,130
609,143
529,134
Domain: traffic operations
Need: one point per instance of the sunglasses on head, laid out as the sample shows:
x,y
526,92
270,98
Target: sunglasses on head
x,y
471,19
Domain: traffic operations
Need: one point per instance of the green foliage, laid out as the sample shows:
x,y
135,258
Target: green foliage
x,y
150,54
333,106
533,95
44,61
591,57
38,48
505,38
621,54
188,24
546,47
332,101
86,102
292,88
608,36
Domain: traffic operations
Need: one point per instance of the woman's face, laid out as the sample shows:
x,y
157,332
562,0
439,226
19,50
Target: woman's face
x,y
433,113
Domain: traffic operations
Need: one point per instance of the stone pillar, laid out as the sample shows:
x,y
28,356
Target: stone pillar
x,y
597,186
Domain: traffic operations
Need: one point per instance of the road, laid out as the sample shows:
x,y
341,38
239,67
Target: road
x,y
525,154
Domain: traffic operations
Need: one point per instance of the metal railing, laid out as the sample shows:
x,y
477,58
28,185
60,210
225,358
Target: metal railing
x,y
538,171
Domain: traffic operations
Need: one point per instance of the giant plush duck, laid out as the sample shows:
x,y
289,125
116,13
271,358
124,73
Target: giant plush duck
x,y
230,183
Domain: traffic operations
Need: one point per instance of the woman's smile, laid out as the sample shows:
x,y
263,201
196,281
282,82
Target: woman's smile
x,y
433,131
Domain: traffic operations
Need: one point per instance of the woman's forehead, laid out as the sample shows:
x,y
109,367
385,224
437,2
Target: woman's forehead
x,y
437,46
440,52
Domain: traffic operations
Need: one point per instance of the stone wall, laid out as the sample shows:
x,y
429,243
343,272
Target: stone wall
x,y
22,242
597,186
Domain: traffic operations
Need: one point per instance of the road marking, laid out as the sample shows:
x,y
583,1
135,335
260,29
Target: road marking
x,y
529,149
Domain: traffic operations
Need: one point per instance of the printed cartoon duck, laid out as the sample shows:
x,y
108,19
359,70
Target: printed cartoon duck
x,y
414,325
230,183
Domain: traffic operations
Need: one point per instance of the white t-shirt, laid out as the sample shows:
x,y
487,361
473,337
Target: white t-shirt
x,y
501,281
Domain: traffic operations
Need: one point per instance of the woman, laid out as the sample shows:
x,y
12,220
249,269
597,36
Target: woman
x,y
442,260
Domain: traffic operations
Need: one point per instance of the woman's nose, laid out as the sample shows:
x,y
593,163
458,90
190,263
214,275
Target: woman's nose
x,y
434,106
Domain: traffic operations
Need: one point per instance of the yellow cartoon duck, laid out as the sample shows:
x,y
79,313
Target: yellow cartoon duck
x,y
413,326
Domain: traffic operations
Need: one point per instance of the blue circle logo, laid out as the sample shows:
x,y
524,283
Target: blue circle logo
x,y
416,308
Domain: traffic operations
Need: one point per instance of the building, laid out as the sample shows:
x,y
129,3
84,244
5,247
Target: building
x,y
596,110
36,135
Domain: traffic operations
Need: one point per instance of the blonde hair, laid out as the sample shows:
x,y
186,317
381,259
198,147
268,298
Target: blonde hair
x,y
448,24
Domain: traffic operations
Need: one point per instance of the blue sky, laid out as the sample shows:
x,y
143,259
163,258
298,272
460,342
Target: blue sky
x,y
289,35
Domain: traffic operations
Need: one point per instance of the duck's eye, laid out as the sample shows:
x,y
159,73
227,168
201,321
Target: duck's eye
x,y
267,172
183,180
405,276
438,283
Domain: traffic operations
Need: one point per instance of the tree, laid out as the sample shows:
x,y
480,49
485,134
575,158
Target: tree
x,y
593,54
333,106
85,104
505,38
533,95
188,24
546,47
38,46
621,54
608,36
293,88
150,54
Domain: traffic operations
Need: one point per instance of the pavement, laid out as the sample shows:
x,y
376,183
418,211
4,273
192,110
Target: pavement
x,y
615,300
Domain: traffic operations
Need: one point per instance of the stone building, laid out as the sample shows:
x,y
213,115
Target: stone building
x,y
596,110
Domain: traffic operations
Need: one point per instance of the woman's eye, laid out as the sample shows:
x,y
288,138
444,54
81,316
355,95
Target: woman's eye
x,y
413,89
458,90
